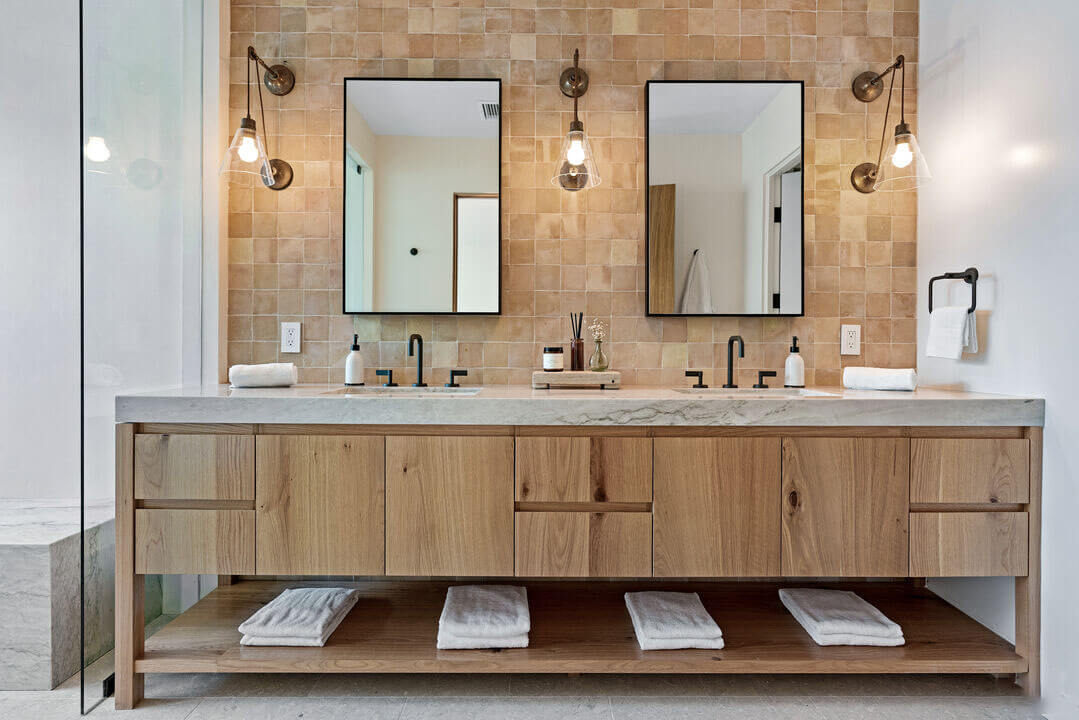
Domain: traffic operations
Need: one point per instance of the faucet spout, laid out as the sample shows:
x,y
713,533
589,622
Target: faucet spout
x,y
730,357
413,340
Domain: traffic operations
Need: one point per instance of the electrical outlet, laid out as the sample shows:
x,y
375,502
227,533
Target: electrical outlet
x,y
290,337
850,340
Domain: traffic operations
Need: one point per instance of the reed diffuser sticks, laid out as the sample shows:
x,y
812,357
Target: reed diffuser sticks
x,y
576,344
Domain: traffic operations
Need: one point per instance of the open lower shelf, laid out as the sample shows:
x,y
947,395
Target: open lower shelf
x,y
578,627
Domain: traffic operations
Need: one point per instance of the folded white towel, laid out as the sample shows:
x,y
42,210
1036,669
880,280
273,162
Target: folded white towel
x,y
452,642
839,617
697,296
672,621
299,616
266,375
484,616
869,378
952,331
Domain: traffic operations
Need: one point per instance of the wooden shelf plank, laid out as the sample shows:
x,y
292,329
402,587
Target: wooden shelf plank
x,y
580,628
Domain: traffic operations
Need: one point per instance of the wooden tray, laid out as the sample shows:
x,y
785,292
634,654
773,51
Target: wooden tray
x,y
606,380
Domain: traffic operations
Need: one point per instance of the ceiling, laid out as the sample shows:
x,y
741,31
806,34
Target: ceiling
x,y
425,108
709,108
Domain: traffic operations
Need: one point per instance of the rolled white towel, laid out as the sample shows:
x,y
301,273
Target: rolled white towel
x,y
299,616
869,378
839,617
265,375
672,621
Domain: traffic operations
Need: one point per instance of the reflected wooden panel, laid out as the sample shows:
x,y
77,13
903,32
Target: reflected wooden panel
x,y
661,207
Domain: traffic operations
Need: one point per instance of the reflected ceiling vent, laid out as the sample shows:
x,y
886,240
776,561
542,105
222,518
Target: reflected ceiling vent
x,y
489,110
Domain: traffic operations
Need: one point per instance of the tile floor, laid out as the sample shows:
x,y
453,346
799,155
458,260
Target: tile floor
x,y
398,697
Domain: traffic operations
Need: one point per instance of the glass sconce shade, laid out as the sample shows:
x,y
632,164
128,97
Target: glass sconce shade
x,y
576,163
904,166
246,157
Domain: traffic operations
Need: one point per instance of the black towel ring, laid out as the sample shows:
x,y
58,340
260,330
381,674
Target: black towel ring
x,y
969,276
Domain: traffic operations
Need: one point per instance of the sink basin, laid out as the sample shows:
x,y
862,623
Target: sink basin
x,y
405,392
775,393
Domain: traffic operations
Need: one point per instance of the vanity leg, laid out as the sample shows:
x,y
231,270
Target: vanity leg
x,y
130,588
1028,589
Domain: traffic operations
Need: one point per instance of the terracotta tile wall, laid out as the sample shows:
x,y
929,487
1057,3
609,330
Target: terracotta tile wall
x,y
563,251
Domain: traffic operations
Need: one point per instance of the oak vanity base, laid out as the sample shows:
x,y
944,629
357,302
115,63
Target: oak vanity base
x,y
578,627
516,503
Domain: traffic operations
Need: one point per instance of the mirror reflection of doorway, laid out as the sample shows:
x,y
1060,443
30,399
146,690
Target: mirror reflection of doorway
x,y
475,251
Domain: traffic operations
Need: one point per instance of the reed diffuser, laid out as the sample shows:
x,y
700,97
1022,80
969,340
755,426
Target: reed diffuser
x,y
576,344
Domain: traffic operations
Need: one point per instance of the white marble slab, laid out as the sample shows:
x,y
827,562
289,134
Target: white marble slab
x,y
522,405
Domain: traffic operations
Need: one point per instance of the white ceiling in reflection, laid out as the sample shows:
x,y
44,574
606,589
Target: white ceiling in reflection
x,y
407,107
709,108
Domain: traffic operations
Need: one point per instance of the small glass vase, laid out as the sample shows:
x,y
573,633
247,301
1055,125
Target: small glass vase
x,y
598,362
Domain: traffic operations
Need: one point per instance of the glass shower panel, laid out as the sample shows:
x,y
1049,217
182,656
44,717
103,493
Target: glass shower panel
x,y
141,252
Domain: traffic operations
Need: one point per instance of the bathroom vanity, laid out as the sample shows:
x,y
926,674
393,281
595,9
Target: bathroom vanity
x,y
579,495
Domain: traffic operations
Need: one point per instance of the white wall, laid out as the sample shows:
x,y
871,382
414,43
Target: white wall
x,y
39,233
414,185
775,135
997,125
706,171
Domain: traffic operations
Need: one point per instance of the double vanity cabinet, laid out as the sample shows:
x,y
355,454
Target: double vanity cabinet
x,y
660,502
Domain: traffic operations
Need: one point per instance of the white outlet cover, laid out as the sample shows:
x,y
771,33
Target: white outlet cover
x,y
290,337
850,340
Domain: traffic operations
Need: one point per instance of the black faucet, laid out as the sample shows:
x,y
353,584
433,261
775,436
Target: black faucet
x,y
730,357
699,374
761,375
454,374
388,374
412,340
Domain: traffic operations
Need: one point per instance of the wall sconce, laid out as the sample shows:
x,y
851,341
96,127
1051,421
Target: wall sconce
x,y
246,156
576,165
905,168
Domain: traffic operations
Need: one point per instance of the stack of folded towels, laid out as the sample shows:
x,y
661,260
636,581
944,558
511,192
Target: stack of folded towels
x,y
299,617
672,621
837,617
484,616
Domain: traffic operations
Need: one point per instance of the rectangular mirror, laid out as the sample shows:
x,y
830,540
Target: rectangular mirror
x,y
725,196
422,204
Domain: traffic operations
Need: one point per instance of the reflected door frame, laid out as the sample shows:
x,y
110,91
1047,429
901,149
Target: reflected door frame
x,y
456,199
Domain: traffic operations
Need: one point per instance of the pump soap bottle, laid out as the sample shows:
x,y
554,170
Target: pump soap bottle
x,y
794,370
354,364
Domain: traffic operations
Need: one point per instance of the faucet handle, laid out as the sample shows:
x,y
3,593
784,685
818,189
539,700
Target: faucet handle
x,y
389,377
454,374
761,375
699,374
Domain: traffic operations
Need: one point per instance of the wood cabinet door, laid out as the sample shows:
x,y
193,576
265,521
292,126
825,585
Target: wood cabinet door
x,y
584,469
449,506
970,470
584,544
194,467
714,513
968,544
845,506
319,505
194,542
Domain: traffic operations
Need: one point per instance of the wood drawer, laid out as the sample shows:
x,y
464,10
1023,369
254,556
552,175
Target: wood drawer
x,y
584,469
969,470
195,541
968,544
195,467
583,544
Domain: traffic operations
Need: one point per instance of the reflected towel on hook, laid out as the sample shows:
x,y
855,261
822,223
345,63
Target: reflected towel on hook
x,y
697,297
953,330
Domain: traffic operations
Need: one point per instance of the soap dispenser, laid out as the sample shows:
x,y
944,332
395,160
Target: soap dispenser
x,y
354,364
794,370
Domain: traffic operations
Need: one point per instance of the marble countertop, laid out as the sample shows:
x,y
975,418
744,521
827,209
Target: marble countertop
x,y
631,405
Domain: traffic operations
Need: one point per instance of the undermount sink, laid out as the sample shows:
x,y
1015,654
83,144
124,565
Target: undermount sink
x,y
776,393
405,392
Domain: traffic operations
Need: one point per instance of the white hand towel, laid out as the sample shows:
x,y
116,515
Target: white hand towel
x,y
266,375
952,330
672,621
839,617
477,616
298,616
868,378
697,297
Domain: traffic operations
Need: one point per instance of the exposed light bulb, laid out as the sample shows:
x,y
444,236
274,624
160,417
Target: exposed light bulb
x,y
575,152
902,155
96,150
248,151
